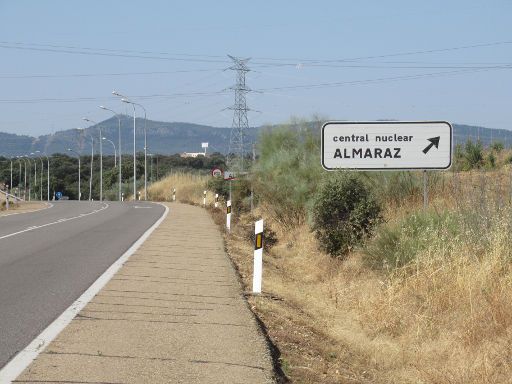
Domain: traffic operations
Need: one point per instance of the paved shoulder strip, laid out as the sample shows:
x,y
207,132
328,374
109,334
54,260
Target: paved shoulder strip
x,y
23,359
47,206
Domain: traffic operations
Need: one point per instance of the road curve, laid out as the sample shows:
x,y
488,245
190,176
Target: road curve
x,y
49,258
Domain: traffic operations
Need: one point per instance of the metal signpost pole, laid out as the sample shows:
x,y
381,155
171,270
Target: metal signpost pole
x,y
425,189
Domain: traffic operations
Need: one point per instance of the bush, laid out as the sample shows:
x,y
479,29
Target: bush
x,y
473,155
491,160
497,146
288,171
345,213
398,245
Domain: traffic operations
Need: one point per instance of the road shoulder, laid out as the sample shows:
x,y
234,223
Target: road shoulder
x,y
25,207
174,312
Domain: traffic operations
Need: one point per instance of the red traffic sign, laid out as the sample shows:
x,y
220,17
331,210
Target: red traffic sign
x,y
216,172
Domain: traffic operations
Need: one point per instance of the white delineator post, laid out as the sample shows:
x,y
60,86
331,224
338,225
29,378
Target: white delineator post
x,y
138,193
174,194
204,198
122,196
258,257
7,197
216,200
228,215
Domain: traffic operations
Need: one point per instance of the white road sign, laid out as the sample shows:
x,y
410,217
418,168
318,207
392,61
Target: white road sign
x,y
386,145
204,145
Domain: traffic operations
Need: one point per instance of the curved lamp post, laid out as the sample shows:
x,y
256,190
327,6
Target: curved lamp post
x,y
47,174
92,160
40,175
115,150
79,189
101,155
119,146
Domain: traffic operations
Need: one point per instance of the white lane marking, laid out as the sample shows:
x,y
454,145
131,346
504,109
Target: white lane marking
x,y
105,206
48,205
24,358
137,206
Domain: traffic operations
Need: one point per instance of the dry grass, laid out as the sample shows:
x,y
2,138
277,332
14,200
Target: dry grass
x,y
189,188
447,319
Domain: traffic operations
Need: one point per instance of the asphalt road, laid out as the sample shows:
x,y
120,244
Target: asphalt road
x,y
49,258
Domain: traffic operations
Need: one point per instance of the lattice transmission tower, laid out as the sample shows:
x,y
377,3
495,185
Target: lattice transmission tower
x,y
236,154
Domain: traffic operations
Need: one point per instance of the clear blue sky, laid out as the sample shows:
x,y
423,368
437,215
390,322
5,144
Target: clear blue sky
x,y
189,40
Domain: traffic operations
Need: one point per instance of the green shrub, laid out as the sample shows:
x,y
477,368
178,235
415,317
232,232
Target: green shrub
x,y
473,155
491,160
345,213
497,146
397,245
288,171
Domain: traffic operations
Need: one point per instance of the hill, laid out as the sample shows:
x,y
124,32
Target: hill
x,y
169,138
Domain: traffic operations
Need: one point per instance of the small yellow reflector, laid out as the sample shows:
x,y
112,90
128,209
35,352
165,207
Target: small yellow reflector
x,y
228,210
259,241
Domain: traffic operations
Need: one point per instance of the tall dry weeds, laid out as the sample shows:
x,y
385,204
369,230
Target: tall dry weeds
x,y
189,188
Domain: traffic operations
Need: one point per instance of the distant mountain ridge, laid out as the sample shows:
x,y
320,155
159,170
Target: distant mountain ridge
x,y
169,138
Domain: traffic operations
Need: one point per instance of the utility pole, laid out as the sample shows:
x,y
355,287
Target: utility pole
x,y
235,159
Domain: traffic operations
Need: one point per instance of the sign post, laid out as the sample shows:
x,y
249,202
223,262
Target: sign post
x,y
388,146
204,198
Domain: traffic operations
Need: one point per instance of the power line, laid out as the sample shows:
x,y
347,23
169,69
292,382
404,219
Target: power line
x,y
376,80
213,58
409,53
57,50
85,99
111,50
104,74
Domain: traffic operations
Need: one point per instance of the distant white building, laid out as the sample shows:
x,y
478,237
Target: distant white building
x,y
192,154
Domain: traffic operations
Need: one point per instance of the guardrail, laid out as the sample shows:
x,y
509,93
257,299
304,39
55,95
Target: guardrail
x,y
16,198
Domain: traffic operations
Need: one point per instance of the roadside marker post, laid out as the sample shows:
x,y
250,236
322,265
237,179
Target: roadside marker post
x,y
204,199
138,193
122,196
388,146
258,257
228,215
216,200
7,197
174,194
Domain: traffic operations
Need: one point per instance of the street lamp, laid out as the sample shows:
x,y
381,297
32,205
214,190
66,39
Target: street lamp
x,y
40,176
11,173
151,168
115,151
20,159
92,159
47,174
125,100
79,190
29,183
119,145
101,156
145,143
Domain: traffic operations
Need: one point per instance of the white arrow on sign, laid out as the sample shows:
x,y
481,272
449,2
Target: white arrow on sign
x,y
387,145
